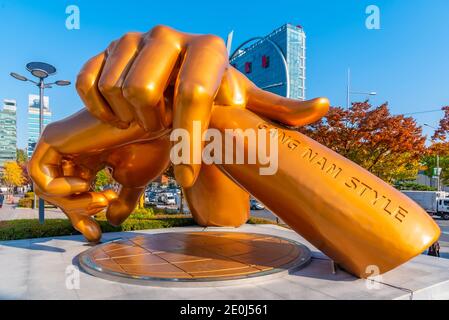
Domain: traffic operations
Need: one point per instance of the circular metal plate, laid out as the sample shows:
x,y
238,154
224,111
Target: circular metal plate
x,y
48,68
175,258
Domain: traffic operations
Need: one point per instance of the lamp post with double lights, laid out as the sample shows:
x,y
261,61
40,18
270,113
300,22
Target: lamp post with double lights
x,y
349,92
438,170
41,71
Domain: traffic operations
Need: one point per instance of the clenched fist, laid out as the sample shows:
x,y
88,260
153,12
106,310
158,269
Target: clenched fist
x,y
165,78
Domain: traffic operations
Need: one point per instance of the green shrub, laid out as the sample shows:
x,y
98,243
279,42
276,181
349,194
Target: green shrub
x,y
28,203
25,203
142,213
29,195
255,220
28,229
413,186
142,224
140,219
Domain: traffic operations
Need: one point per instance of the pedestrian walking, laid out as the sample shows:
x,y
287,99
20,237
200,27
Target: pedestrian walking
x,y
2,198
434,250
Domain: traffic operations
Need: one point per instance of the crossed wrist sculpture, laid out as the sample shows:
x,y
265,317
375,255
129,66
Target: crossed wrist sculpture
x,y
144,86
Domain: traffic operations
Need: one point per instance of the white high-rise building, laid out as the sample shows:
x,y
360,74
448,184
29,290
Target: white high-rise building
x,y
33,120
8,131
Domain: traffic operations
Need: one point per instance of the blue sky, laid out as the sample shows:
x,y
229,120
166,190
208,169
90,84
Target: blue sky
x,y
406,61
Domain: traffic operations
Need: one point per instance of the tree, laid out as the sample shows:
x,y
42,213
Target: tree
x,y
26,177
430,163
12,174
440,147
21,156
389,146
103,179
443,128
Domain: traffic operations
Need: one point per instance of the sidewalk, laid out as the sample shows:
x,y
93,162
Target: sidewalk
x,y
11,212
46,268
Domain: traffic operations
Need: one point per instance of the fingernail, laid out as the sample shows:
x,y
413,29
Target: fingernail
x,y
184,175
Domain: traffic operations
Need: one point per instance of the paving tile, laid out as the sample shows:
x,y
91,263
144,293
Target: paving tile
x,y
94,288
126,252
111,265
190,255
166,270
248,292
142,259
35,269
206,266
293,290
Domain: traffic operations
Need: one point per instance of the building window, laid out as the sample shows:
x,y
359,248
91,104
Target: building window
x,y
265,61
248,67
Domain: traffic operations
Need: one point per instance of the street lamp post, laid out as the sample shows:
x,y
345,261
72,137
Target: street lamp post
x,y
438,161
41,71
349,92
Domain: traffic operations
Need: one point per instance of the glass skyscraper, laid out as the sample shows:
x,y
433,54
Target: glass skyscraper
x,y
33,120
8,131
263,65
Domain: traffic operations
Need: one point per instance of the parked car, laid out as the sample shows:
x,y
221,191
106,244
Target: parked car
x,y
256,205
170,200
167,198
151,197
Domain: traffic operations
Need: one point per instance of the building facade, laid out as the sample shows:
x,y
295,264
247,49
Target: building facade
x,y
33,120
8,131
263,64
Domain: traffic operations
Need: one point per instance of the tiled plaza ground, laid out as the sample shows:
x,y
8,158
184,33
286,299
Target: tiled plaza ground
x,y
43,269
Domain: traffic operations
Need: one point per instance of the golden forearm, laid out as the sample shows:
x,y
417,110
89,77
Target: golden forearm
x,y
352,216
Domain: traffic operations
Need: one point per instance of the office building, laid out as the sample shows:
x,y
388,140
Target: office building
x,y
33,120
262,61
8,131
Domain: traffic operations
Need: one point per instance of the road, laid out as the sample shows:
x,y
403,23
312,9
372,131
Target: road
x,y
266,214
444,238
444,226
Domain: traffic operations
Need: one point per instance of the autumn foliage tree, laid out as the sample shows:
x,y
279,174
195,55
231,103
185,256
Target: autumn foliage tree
x,y
440,147
389,146
443,130
12,174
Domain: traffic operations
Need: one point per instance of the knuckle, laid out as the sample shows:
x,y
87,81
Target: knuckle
x,y
160,30
191,91
80,83
214,41
130,36
140,95
107,88
84,81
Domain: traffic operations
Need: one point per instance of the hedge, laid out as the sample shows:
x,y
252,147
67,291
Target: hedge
x,y
29,229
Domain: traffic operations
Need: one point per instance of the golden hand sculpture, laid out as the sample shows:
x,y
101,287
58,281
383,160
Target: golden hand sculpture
x,y
145,85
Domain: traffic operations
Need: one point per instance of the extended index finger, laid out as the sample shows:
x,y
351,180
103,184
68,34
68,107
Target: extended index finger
x,y
287,111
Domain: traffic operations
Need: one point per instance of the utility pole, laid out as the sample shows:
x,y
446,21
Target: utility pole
x,y
40,70
349,92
